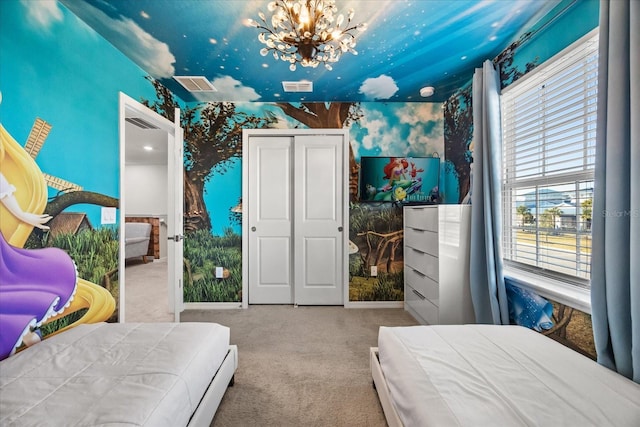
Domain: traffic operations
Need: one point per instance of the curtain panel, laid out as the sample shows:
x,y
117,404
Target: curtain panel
x,y
615,265
486,277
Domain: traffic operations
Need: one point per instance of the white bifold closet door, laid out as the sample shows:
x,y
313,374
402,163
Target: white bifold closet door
x,y
296,219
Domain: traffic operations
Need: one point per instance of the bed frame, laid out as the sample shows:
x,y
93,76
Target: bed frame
x,y
380,384
212,397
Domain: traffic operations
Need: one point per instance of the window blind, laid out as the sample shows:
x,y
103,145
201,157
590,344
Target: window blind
x,y
549,130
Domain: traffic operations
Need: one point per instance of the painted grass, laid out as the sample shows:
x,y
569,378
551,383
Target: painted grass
x,y
203,253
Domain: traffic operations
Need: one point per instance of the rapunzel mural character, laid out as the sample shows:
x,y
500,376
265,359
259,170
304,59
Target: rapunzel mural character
x,y
36,285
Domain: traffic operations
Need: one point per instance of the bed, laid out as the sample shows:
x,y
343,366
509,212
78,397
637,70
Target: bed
x,y
134,374
486,375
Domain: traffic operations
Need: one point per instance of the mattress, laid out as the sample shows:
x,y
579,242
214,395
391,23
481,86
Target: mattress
x,y
112,374
485,375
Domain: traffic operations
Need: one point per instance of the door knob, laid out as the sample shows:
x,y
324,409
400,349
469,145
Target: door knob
x,y
340,229
253,229
176,238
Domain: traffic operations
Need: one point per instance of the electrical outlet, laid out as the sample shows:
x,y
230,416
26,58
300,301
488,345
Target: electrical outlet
x,y
374,270
219,272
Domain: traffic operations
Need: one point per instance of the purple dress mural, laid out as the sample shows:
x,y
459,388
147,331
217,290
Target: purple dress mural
x,y
35,284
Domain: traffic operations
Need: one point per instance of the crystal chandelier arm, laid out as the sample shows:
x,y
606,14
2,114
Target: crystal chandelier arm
x,y
307,32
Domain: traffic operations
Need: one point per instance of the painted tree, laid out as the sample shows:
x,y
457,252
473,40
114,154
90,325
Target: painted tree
x,y
331,115
458,134
212,140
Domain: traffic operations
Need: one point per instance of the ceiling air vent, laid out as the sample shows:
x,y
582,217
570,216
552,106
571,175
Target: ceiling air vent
x,y
195,83
300,86
140,123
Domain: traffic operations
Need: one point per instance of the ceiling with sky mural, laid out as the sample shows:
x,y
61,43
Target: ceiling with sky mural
x,y
407,45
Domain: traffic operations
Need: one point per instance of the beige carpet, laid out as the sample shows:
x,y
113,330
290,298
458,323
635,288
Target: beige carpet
x,y
146,294
305,366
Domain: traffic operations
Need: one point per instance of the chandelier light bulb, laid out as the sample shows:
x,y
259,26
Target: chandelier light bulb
x,y
306,32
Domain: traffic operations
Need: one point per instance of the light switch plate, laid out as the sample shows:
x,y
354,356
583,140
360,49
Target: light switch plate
x,y
108,216
374,270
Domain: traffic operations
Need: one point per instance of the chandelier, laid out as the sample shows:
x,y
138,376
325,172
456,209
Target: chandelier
x,y
307,32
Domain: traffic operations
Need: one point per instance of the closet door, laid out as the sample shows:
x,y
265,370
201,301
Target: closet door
x,y
318,220
270,225
295,217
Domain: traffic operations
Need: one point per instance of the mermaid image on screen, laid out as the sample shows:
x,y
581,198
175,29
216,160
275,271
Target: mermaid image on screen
x,y
36,285
398,179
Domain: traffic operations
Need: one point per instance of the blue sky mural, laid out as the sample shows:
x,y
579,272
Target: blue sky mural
x,y
37,80
385,129
407,45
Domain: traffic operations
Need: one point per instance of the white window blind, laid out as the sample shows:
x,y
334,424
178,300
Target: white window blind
x,y
549,130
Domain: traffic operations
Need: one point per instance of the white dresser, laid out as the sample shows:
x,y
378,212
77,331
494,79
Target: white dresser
x,y
436,264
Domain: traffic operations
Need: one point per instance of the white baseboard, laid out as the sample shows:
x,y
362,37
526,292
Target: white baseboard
x,y
374,304
212,305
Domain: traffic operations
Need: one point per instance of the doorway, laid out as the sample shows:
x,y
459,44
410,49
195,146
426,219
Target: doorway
x,y
295,221
150,163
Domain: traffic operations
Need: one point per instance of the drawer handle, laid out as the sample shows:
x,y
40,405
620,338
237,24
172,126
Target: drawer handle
x,y
417,250
419,294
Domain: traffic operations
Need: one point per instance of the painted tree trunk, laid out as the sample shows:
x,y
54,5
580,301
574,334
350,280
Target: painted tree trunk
x,y
196,216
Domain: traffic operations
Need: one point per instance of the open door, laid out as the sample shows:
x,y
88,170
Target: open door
x,y
176,217
133,111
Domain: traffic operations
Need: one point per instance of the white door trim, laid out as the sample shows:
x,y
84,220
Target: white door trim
x,y
246,134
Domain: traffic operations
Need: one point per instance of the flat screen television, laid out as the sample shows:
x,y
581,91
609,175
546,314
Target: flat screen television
x,y
404,180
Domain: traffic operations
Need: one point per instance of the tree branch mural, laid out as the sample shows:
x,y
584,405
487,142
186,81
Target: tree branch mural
x,y
63,201
212,139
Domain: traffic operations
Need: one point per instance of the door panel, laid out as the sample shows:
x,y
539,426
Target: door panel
x,y
318,220
270,225
176,218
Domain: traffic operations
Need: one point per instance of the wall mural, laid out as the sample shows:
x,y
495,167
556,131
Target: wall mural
x,y
59,165
213,184
45,289
82,148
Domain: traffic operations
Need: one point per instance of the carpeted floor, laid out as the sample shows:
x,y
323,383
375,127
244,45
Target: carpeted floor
x,y
146,294
304,366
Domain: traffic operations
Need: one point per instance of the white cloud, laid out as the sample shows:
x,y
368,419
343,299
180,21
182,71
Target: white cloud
x,y
43,13
149,53
382,87
228,89
426,122
420,112
381,135
423,144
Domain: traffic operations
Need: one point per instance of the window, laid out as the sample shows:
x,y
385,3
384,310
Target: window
x,y
549,131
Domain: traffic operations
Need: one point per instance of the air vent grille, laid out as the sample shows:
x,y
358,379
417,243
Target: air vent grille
x,y
140,123
195,83
299,86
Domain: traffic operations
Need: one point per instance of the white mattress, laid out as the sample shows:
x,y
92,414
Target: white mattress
x,y
112,374
482,375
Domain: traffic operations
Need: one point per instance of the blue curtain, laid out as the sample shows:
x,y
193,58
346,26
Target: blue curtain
x,y
615,264
487,281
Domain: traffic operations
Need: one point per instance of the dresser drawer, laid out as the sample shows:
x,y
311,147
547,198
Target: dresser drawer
x,y
423,307
425,286
425,218
426,264
424,241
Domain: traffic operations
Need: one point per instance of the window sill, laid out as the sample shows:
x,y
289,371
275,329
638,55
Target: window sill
x,y
555,290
